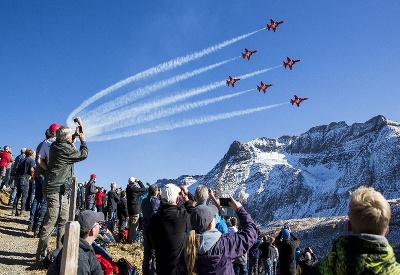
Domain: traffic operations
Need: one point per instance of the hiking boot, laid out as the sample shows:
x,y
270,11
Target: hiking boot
x,y
36,233
30,227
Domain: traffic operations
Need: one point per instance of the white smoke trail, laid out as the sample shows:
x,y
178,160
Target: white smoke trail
x,y
184,123
129,111
100,113
161,113
174,63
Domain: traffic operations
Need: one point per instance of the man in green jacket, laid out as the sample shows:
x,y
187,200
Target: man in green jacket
x,y
57,185
365,250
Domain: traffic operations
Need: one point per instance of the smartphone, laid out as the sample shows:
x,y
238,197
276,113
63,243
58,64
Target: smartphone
x,y
224,201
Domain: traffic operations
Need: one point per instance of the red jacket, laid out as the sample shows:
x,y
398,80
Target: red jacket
x,y
5,159
99,198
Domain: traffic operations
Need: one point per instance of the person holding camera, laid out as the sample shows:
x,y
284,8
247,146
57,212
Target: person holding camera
x,y
287,242
57,185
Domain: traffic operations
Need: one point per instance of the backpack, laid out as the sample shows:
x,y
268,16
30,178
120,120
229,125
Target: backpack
x,y
50,257
125,267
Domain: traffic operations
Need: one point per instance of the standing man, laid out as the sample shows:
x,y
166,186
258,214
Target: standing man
x,y
25,172
57,185
287,242
150,206
133,194
5,159
90,192
167,229
16,163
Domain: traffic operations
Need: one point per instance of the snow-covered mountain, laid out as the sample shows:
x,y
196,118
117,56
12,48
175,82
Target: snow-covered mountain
x,y
310,175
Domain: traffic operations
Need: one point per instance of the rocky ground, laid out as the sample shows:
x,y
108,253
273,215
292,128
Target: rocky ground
x,y
18,247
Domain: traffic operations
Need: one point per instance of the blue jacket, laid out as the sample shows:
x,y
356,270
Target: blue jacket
x,y
217,251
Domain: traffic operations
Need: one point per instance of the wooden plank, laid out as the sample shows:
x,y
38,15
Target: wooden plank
x,y
69,257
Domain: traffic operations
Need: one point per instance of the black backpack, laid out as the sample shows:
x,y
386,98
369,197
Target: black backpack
x,y
125,267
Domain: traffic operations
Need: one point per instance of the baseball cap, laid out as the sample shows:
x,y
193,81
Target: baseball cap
x,y
88,218
202,216
131,179
53,127
92,176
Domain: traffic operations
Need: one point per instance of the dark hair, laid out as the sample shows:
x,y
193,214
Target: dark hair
x,y
153,189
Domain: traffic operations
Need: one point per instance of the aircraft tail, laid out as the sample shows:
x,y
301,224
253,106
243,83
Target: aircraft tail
x,y
285,64
268,27
292,101
243,55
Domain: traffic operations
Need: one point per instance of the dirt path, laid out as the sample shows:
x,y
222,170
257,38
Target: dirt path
x,y
17,246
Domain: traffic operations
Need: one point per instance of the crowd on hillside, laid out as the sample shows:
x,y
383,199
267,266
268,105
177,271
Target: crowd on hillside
x,y
181,233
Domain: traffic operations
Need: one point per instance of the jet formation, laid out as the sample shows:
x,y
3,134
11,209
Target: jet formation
x,y
288,63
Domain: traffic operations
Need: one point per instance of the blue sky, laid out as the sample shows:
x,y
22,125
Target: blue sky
x,y
55,55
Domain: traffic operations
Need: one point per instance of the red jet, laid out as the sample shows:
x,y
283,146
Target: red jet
x,y
298,100
290,62
232,81
263,87
273,25
247,53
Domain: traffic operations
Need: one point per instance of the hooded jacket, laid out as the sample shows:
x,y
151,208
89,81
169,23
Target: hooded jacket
x,y
60,170
217,251
359,254
287,248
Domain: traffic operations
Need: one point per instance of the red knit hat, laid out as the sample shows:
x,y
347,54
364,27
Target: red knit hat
x,y
92,176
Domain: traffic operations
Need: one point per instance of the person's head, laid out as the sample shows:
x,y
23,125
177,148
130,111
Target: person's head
x,y
201,194
113,186
47,134
123,194
23,150
153,190
53,128
369,212
202,219
93,176
307,256
170,194
29,152
89,224
6,148
131,180
64,133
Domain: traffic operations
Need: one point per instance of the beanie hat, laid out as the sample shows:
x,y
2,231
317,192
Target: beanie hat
x,y
93,176
170,192
286,234
201,217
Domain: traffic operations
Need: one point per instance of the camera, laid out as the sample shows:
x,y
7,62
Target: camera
x,y
224,201
77,120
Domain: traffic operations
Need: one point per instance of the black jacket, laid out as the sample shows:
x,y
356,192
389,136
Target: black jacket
x,y
133,194
87,261
167,231
287,248
122,208
112,200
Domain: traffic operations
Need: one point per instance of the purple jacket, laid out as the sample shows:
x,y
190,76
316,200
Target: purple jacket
x,y
216,252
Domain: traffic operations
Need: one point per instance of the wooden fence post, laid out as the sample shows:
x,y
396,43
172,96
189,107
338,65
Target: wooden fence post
x,y
72,200
69,257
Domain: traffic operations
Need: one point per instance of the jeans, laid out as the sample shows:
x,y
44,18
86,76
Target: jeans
x,y
90,206
39,204
267,266
57,215
132,227
149,257
240,269
22,191
253,266
111,221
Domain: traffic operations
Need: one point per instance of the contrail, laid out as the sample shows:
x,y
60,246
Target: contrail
x,y
142,92
161,113
184,123
129,111
174,63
